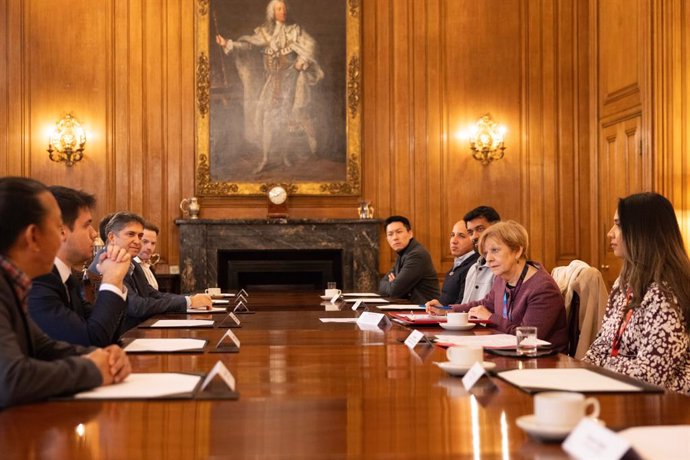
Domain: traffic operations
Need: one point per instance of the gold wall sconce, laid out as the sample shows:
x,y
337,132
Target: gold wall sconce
x,y
67,141
486,140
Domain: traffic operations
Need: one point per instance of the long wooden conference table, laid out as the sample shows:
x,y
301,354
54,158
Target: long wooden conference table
x,y
311,390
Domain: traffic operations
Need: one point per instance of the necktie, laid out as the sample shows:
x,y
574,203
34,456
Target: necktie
x,y
74,292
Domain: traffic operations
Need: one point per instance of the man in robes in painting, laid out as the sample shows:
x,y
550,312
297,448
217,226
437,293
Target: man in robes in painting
x,y
282,101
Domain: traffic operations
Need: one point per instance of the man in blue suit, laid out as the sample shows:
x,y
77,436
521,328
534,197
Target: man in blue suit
x,y
56,303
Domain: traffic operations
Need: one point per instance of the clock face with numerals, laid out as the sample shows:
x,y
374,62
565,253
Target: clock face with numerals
x,y
277,195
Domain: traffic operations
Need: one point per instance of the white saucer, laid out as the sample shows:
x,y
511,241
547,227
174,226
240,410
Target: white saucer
x,y
465,327
456,369
325,297
547,433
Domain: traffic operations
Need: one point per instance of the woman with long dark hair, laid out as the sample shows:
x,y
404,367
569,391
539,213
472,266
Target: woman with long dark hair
x,y
645,329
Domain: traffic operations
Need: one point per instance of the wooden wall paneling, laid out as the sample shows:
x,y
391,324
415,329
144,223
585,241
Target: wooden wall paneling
x,y
671,105
436,138
11,68
567,144
60,80
482,55
620,55
426,222
179,165
620,32
583,135
401,160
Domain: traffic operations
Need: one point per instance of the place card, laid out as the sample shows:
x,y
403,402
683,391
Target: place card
x,y
335,298
357,305
373,319
413,339
234,318
223,372
231,336
230,321
591,440
243,292
473,375
240,306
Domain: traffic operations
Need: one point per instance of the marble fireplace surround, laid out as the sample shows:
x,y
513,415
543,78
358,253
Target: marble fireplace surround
x,y
202,239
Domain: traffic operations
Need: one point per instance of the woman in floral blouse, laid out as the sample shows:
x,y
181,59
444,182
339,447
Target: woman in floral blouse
x,y
645,329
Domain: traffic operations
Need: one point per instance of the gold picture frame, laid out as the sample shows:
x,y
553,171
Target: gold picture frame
x,y
233,142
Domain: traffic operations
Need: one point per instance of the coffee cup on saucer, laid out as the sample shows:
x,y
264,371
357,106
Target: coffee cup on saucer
x,y
212,291
465,356
563,409
457,319
330,293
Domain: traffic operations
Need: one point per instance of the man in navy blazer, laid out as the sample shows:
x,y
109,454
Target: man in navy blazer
x,y
126,229
462,249
56,303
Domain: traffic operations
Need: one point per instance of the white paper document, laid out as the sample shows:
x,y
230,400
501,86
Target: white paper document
x,y
192,311
571,379
659,442
164,345
183,323
338,320
366,299
137,386
394,306
486,341
360,294
220,301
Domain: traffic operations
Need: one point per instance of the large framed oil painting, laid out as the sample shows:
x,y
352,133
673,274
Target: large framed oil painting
x,y
278,96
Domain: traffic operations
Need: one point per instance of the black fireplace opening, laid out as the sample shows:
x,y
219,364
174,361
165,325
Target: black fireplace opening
x,y
278,270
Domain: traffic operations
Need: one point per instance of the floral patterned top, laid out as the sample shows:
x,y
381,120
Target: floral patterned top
x,y
655,346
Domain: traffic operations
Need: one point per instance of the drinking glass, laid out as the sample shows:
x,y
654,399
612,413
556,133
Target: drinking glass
x,y
526,340
331,285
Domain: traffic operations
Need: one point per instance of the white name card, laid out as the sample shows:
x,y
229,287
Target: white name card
x,y
220,370
591,440
240,298
413,339
234,318
335,298
240,306
368,318
229,335
243,292
472,376
357,305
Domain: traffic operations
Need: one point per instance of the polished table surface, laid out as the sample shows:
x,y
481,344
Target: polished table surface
x,y
311,390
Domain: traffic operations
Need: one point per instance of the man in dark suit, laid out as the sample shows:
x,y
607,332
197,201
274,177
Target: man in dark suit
x,y
413,276
55,302
126,230
32,365
462,249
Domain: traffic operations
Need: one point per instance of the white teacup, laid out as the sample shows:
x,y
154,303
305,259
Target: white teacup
x,y
213,291
330,293
563,409
458,319
465,356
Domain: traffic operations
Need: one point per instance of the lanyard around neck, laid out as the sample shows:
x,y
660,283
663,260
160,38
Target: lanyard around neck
x,y
615,346
509,299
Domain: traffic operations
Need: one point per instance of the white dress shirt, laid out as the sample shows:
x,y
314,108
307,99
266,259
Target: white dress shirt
x,y
150,277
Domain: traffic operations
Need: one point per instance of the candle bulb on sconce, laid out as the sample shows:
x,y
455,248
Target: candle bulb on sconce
x,y
66,143
486,139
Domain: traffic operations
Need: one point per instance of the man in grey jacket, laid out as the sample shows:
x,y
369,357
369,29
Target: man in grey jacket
x,y
32,365
413,275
